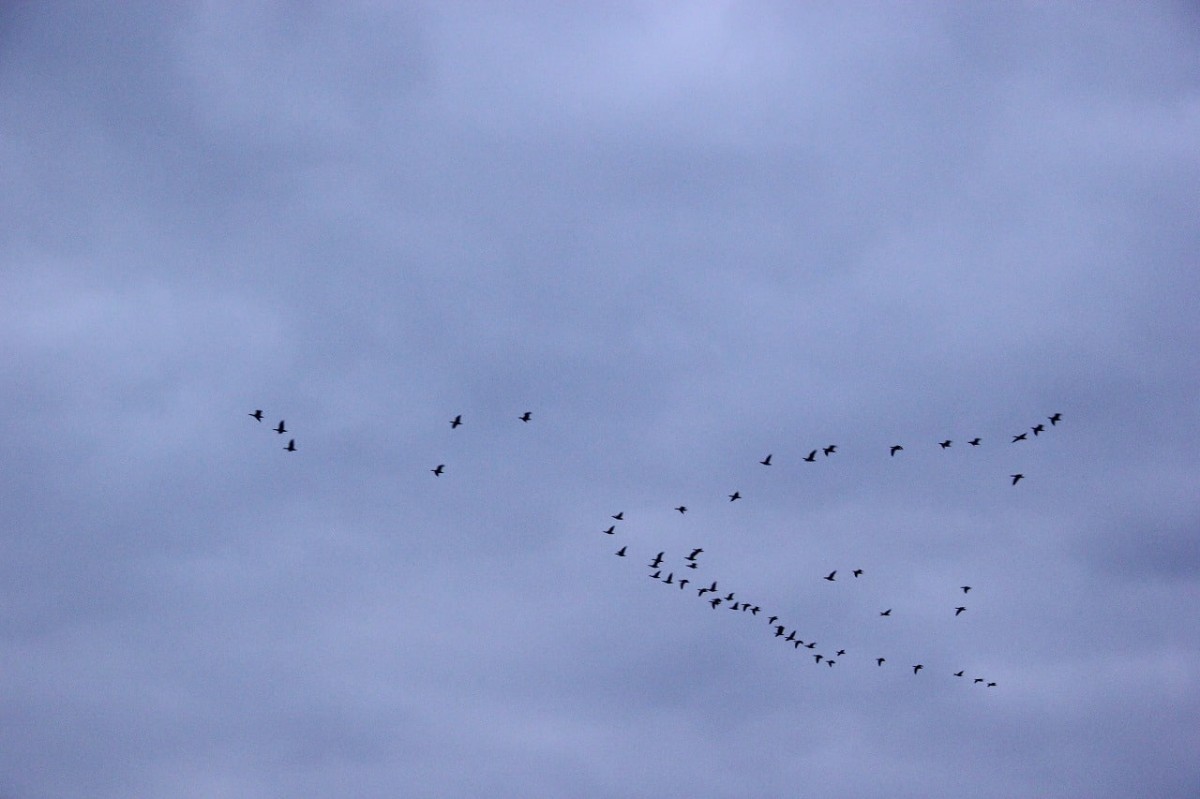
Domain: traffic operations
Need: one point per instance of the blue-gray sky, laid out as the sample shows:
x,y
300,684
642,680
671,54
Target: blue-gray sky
x,y
682,235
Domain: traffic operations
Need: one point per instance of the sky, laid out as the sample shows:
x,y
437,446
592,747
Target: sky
x,y
682,236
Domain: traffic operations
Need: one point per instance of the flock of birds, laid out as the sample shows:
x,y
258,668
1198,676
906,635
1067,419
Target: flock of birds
x,y
787,633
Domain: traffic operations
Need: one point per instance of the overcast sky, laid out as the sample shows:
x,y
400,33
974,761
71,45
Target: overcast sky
x,y
683,236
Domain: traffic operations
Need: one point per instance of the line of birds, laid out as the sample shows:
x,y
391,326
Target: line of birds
x,y
456,423
279,428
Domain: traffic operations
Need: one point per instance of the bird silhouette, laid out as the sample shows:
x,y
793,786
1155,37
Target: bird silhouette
x,y
991,685
791,636
810,457
621,551
958,610
693,565
656,575
525,417
887,612
682,509
840,652
766,461
978,680
857,572
895,448
829,576
965,588
714,602
818,657
694,553
832,448
619,516
917,668
1038,429
257,415
880,661
291,447
729,597
1016,478
958,674
1021,437
829,662
1055,419
670,578
810,645
974,442
735,496
456,421
683,582
779,629
610,529
772,619
945,444
281,429
441,467
658,559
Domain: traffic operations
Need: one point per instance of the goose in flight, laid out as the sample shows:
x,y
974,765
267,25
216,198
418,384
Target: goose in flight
x,y
1021,437
857,572
683,582
832,448
917,668
965,588
829,576
1055,419
880,661
682,509
991,685
810,457
1038,429
818,657
441,467
735,496
974,442
766,461
456,421
978,680
1016,478
609,531
959,610
656,575
714,602
887,612
525,417
945,444
291,447
658,559
257,415
619,516
281,429
621,551
958,674
896,448
694,553
840,652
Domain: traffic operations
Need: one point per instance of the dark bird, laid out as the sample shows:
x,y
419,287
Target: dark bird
x,y
257,415
621,551
619,516
754,610
880,661
735,496
810,457
974,442
525,417
959,610
709,590
610,529
965,588
656,575
729,597
991,685
682,509
840,652
1055,419
791,636
779,631
291,447
693,565
832,448
714,602
1016,478
658,559
670,578
694,553
456,421
766,461
978,680
917,668
1038,429
958,674
896,448
797,644
810,645
772,619
945,444
887,612
829,576
683,582
281,429
858,572
1021,437
441,467
818,657
829,662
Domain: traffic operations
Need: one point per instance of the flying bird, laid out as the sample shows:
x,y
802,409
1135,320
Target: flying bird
x,y
1038,429
456,421
958,674
683,582
1021,437
656,575
974,442
694,553
832,448
281,429
965,588
958,610
810,457
621,551
991,685
525,417
818,657
810,644
1055,419
945,444
829,576
620,516
766,461
880,661
772,619
257,415
291,447
978,680
1016,478
657,560
441,467
779,630
896,448
682,509
858,572
887,612
670,578
610,529
917,668
829,662
735,496
840,652
714,602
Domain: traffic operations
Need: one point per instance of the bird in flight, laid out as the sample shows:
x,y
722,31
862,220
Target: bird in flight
x,y
621,551
818,657
714,602
281,429
840,652
682,509
525,417
670,578
958,674
654,564
917,668
1038,429
766,461
257,415
880,661
456,421
810,457
945,444
683,582
832,448
959,610
656,575
1055,419
965,588
829,576
1021,437
858,572
978,680
896,448
291,447
694,553
991,685
974,442
735,496
610,529
441,467
619,516
887,612
1016,478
